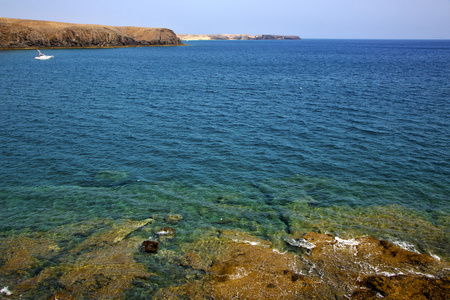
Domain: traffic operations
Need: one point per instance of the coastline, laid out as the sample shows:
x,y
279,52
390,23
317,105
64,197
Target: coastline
x,y
243,37
92,47
32,34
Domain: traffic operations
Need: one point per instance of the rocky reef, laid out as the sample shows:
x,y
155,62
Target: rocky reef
x,y
193,37
104,259
26,34
318,266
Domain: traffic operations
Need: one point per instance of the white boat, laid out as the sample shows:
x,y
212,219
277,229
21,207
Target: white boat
x,y
43,56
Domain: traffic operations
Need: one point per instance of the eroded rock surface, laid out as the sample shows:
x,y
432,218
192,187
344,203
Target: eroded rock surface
x,y
403,287
18,33
244,267
223,264
325,267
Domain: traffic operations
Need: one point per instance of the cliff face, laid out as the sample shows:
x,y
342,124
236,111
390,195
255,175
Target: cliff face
x,y
276,37
18,33
193,37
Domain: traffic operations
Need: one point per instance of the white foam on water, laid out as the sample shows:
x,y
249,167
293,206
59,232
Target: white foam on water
x,y
5,291
302,243
435,256
406,246
347,244
389,274
344,242
278,251
163,232
312,268
423,274
240,274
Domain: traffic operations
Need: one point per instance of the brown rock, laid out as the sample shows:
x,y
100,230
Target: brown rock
x,y
246,268
405,287
150,246
241,266
61,295
384,252
319,240
393,252
234,264
18,33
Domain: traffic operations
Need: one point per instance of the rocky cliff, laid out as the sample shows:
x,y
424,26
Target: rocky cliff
x,y
18,33
193,37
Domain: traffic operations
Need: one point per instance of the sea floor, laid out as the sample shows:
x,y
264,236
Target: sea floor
x,y
266,240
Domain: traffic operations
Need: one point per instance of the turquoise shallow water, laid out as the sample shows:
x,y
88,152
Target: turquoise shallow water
x,y
271,137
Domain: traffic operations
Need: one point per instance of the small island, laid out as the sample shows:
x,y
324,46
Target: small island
x,y
197,37
32,34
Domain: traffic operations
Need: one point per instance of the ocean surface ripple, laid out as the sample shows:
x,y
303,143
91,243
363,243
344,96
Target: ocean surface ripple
x,y
98,133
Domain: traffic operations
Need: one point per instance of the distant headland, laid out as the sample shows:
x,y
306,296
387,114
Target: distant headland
x,y
194,37
32,34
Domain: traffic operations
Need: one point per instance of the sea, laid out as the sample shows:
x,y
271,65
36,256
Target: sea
x,y
347,137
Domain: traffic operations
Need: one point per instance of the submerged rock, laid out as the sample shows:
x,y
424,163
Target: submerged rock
x,y
102,266
111,236
105,263
173,219
106,272
150,246
22,253
166,233
111,175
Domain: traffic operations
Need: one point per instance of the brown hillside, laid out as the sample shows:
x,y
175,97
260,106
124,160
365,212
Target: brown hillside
x,y
18,33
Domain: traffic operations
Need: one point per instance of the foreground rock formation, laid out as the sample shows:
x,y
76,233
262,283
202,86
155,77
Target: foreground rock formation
x,y
194,37
26,34
102,259
319,266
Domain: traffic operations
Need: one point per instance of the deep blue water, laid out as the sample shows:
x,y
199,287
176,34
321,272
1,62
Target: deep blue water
x,y
125,133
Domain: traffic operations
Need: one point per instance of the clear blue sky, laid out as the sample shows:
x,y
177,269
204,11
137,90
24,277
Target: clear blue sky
x,y
390,19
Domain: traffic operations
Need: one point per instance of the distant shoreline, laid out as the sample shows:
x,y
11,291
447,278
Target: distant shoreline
x,y
208,37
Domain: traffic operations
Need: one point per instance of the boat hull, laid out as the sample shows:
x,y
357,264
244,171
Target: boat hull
x,y
43,57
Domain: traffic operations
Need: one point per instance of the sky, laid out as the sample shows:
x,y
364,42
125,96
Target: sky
x,y
338,19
